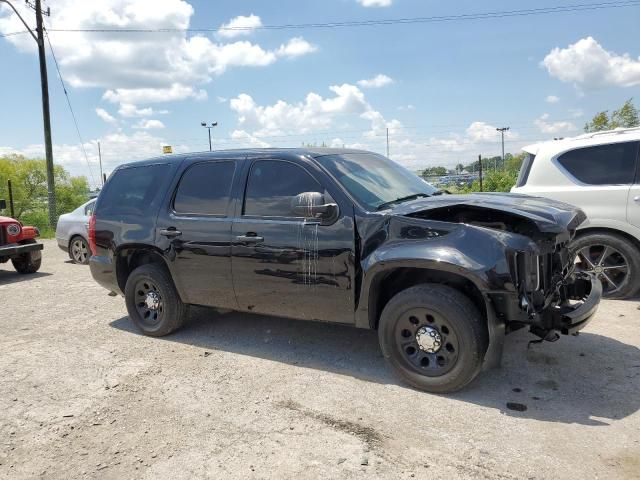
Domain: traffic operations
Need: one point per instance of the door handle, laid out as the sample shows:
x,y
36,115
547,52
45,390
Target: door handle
x,y
636,199
170,232
250,237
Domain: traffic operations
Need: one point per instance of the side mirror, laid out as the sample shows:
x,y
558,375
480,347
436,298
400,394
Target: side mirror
x,y
312,205
3,204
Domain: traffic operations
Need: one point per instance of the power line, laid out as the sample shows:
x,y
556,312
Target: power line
x,y
364,23
73,115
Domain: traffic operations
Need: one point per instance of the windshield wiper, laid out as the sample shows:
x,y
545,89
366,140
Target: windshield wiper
x,y
384,205
441,192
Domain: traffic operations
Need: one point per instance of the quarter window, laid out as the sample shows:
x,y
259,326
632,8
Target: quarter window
x,y
271,186
613,164
204,189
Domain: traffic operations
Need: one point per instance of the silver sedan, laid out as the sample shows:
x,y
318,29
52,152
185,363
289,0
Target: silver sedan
x,y
71,232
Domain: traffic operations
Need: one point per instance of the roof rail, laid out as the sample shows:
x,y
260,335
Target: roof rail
x,y
615,131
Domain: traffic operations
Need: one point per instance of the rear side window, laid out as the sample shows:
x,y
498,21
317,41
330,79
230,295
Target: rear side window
x,y
131,190
89,208
613,164
205,188
525,169
271,186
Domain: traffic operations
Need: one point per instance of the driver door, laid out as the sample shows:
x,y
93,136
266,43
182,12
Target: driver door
x,y
288,265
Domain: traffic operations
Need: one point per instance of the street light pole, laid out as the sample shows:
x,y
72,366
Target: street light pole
x,y
44,84
502,130
209,127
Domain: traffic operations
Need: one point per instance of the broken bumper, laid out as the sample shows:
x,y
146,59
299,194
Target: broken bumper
x,y
570,319
15,249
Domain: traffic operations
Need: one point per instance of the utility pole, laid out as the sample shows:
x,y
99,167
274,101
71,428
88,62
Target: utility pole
x,y
100,160
480,170
502,130
387,142
48,150
209,127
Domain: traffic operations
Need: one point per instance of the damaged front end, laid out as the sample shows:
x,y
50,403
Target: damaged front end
x,y
545,293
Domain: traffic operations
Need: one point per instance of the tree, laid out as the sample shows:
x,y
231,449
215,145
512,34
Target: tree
x,y
29,184
625,117
434,171
459,168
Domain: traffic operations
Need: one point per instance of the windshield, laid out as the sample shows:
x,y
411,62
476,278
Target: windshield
x,y
373,180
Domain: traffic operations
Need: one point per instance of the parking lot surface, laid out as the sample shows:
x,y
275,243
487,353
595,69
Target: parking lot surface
x,y
84,395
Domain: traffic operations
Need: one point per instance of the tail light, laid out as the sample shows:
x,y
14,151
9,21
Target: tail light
x,y
92,235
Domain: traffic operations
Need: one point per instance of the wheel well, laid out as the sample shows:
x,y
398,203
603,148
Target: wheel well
x,y
390,283
74,236
612,231
128,259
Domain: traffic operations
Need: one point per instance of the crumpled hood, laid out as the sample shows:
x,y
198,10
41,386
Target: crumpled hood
x,y
548,215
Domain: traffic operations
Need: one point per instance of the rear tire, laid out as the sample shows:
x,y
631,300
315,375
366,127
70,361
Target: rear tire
x,y
153,302
590,248
29,262
434,337
79,250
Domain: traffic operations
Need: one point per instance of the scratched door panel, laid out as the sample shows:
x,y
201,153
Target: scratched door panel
x,y
299,270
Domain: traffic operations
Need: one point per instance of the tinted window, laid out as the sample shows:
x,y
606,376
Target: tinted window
x,y
523,176
272,185
131,190
602,165
204,189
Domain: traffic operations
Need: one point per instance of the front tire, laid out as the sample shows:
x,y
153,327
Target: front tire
x,y
153,302
29,262
434,337
613,259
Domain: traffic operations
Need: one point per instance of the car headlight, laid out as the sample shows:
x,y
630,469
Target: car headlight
x,y
13,229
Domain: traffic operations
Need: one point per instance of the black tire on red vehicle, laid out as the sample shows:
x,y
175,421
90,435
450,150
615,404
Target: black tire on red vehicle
x,y
28,262
434,337
153,302
614,259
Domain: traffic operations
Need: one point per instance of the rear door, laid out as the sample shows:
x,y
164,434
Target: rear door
x,y
194,231
633,205
286,265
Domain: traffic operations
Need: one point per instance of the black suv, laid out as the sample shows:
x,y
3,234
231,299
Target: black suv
x,y
341,236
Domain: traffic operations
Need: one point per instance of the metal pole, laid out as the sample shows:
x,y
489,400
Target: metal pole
x,y
502,130
100,160
387,142
480,170
48,149
13,213
209,128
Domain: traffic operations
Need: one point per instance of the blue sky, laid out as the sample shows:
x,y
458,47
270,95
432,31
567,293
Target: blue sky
x,y
441,88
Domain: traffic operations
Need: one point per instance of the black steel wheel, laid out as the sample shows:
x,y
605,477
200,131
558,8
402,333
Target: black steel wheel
x,y
79,250
434,337
29,262
613,259
153,302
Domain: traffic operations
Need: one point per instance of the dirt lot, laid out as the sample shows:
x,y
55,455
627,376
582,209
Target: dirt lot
x,y
83,394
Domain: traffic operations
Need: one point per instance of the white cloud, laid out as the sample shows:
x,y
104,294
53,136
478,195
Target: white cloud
x,y
483,132
588,65
375,3
296,47
552,99
241,25
378,81
148,124
313,114
553,127
106,116
153,95
164,66
406,107
129,110
576,112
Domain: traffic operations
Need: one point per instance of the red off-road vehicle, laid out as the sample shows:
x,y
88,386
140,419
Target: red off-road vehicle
x,y
18,244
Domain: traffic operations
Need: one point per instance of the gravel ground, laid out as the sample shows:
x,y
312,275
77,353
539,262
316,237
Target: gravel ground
x,y
83,394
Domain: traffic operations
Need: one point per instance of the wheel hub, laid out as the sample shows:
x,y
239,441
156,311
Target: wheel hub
x,y
152,301
429,339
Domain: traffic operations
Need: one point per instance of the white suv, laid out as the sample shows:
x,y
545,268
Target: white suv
x,y
600,173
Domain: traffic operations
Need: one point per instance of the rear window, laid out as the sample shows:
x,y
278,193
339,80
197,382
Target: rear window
x,y
131,190
613,164
204,189
525,169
